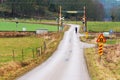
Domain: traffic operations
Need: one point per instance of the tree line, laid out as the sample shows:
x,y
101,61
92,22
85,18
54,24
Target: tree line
x,y
50,8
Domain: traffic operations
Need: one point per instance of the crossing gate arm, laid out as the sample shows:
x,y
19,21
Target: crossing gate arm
x,y
73,12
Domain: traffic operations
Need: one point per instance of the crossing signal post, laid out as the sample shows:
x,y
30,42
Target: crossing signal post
x,y
60,15
85,19
59,18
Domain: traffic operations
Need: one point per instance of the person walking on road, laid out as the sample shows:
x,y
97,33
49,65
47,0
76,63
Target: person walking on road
x,y
75,29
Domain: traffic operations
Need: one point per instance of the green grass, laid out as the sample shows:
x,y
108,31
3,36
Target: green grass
x,y
103,26
111,41
17,44
11,26
92,26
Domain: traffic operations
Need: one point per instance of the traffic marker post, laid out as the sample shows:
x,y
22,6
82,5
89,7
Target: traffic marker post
x,y
86,35
101,40
100,49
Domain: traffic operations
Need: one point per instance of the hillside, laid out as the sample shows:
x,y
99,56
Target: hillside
x,y
50,8
112,8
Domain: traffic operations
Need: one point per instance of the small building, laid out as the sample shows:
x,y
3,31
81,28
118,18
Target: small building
x,y
41,31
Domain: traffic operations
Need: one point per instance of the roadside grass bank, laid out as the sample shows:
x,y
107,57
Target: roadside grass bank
x,y
106,67
13,69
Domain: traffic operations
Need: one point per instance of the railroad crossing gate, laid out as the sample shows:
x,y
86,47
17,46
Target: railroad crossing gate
x,y
101,40
73,12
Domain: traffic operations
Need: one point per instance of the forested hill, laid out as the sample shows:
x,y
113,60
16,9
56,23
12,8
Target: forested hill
x,y
50,8
112,9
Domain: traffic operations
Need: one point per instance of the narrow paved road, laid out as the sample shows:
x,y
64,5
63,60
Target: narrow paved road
x,y
67,62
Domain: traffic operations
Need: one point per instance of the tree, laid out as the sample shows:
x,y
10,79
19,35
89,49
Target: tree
x,y
115,13
94,9
31,8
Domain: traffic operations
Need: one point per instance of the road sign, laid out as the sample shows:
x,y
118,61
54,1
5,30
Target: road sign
x,y
100,49
101,39
61,18
111,32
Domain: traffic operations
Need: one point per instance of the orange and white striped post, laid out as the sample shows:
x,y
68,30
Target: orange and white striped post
x,y
101,40
100,49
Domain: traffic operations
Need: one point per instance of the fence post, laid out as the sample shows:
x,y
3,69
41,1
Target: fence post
x,y
22,55
44,46
41,50
33,53
13,55
36,52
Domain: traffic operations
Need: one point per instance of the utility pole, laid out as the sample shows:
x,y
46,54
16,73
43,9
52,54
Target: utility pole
x,y
85,19
58,21
59,17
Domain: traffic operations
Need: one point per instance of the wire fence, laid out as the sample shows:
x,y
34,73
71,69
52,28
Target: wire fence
x,y
21,54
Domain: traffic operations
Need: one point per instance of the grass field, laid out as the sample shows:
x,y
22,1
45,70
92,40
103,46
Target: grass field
x,y
10,69
17,44
92,26
103,26
12,26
